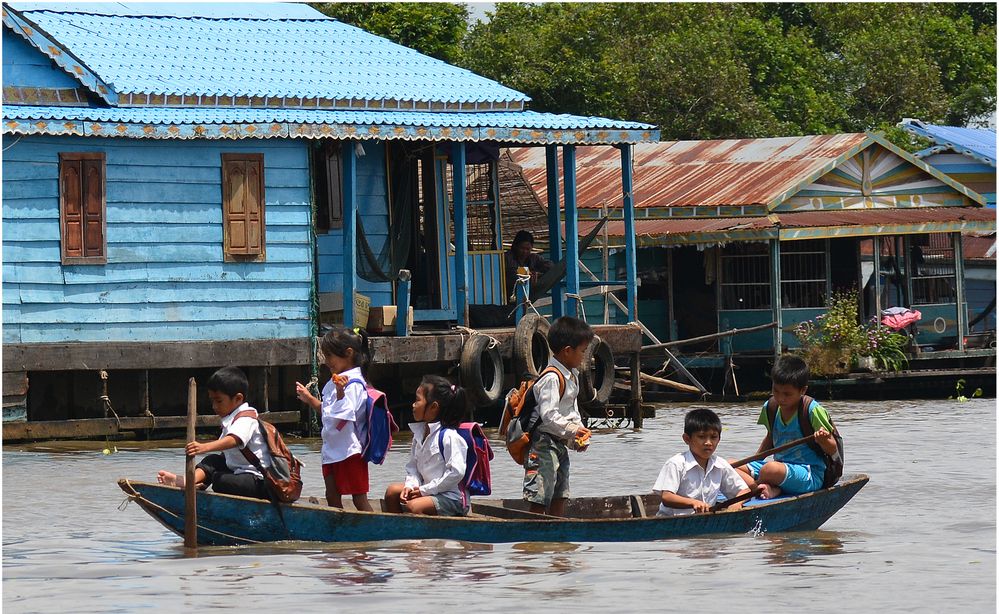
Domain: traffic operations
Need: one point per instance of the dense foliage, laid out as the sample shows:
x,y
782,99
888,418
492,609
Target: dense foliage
x,y
713,70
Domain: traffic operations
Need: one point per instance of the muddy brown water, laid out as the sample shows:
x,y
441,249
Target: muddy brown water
x,y
920,537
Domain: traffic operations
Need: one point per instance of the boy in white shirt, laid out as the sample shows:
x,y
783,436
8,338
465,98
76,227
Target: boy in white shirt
x,y
690,482
229,472
546,469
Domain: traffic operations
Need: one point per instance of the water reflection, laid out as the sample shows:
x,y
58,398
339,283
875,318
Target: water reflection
x,y
799,548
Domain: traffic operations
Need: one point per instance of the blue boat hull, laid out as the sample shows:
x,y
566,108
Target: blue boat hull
x,y
225,520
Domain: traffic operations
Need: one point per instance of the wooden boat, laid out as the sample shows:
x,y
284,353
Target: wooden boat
x,y
226,520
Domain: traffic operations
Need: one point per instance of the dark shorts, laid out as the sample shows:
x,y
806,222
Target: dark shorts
x,y
220,477
546,470
350,475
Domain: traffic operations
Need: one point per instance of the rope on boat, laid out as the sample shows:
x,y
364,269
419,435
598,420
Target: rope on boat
x,y
143,502
471,332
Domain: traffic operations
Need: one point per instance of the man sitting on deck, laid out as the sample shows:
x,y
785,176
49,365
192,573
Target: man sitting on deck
x,y
521,254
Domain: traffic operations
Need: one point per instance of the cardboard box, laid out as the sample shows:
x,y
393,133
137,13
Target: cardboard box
x,y
381,320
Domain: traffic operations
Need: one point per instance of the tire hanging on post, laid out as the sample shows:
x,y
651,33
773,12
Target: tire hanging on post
x,y
596,374
481,370
530,347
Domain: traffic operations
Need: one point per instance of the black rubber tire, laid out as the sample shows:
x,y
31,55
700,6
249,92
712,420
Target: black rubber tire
x,y
481,370
530,347
596,374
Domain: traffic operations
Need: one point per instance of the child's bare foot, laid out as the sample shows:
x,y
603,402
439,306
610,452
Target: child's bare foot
x,y
768,491
170,479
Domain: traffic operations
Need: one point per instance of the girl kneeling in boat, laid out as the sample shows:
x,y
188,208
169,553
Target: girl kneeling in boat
x,y
436,464
230,471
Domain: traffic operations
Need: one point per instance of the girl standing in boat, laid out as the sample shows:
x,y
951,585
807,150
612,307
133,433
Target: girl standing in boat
x,y
436,464
344,415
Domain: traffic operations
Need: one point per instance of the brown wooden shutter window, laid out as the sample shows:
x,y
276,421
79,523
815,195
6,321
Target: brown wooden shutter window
x,y
243,207
82,208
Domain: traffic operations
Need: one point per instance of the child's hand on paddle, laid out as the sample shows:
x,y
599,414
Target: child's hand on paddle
x,y
700,507
194,448
340,381
826,441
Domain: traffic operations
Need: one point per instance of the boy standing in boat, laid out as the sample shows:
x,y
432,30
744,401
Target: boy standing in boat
x,y
802,468
546,469
229,472
691,481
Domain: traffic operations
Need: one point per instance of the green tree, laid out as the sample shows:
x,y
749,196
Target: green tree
x,y
433,28
746,70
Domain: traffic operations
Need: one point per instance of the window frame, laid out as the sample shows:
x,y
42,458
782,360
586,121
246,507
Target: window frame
x,y
228,256
82,157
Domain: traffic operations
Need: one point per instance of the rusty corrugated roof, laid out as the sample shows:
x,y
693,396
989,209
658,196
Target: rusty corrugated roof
x,y
695,173
804,219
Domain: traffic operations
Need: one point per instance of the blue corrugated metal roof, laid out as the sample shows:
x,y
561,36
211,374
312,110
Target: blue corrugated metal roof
x,y
978,143
209,115
260,55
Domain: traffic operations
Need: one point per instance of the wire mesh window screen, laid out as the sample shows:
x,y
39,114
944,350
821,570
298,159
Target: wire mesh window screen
x,y
803,273
934,277
481,197
745,276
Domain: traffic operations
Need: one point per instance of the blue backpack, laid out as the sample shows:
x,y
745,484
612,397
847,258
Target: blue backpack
x,y
375,432
477,479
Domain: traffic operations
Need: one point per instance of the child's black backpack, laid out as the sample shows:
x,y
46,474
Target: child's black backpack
x,y
834,465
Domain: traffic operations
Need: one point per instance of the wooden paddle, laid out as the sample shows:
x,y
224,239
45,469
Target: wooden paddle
x,y
727,502
766,453
190,488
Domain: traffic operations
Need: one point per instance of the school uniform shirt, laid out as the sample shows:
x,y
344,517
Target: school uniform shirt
x,y
683,476
345,420
431,471
247,430
559,416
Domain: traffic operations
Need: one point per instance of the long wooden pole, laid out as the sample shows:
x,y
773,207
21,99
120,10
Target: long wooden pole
x,y
190,488
766,453
734,331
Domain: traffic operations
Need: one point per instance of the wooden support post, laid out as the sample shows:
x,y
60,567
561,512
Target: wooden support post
x,y
775,294
267,389
605,261
636,389
402,307
349,192
190,488
571,230
962,309
523,292
554,225
460,231
630,252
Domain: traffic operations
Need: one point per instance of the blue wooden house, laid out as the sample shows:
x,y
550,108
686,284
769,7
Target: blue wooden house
x,y
187,186
751,232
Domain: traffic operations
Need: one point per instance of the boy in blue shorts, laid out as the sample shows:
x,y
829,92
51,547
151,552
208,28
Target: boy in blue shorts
x,y
802,468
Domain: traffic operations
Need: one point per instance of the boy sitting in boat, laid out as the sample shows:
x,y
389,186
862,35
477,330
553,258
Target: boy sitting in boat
x,y
802,468
229,472
691,481
546,469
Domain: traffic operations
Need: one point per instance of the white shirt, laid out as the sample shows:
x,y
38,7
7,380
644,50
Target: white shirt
x,y
345,420
682,475
435,473
559,416
247,430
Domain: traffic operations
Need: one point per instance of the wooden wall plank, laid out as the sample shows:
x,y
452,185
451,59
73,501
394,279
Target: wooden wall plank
x,y
152,355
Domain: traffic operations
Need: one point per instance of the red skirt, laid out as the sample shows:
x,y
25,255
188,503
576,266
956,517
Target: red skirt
x,y
350,475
